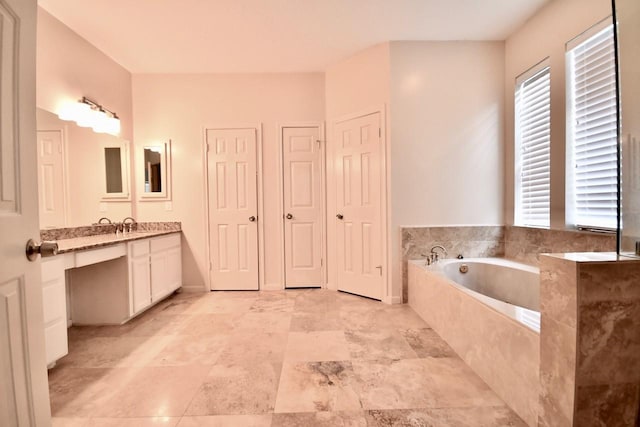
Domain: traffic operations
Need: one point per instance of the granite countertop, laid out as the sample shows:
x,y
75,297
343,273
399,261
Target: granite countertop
x,y
100,240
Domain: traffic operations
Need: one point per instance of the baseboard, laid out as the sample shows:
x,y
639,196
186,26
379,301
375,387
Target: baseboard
x,y
193,288
392,300
272,287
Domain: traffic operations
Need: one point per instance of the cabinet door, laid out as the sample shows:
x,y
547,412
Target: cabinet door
x,y
159,276
174,268
54,308
140,281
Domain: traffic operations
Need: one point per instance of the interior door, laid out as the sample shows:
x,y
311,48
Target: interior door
x,y
51,179
359,207
24,393
302,153
233,208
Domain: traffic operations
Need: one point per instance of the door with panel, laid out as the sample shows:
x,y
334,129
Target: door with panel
x,y
51,179
302,152
359,182
233,208
24,392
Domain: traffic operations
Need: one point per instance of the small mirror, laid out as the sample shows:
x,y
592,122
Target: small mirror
x,y
113,165
156,171
115,173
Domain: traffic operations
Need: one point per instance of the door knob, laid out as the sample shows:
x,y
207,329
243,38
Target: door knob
x,y
252,218
339,216
46,249
289,216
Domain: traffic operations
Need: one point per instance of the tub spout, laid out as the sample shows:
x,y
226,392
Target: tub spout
x,y
434,253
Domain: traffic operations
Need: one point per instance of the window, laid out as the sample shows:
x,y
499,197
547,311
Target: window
x,y
592,173
533,144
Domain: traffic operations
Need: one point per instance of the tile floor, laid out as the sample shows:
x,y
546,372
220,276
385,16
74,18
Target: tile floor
x,y
290,358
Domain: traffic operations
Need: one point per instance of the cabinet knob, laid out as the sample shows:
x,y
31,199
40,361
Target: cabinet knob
x,y
339,216
289,216
252,218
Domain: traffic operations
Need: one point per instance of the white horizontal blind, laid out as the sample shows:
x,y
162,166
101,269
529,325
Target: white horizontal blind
x,y
593,132
533,143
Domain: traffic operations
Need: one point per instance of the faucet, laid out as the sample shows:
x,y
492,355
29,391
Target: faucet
x,y
434,253
108,221
126,226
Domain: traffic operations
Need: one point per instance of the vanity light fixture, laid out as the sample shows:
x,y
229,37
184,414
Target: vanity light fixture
x,y
87,113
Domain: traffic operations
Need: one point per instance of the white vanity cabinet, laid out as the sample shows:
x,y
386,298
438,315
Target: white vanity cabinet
x,y
54,308
155,270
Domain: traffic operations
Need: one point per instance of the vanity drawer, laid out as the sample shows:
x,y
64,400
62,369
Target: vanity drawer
x,y
99,255
159,244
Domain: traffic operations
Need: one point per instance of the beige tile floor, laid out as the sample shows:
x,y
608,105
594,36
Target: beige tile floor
x,y
290,358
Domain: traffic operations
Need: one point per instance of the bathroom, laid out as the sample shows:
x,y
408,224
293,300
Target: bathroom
x,y
431,99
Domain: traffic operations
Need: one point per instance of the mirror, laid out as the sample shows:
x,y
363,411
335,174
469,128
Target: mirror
x,y
82,175
156,171
628,17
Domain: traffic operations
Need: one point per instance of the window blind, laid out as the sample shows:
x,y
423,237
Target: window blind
x,y
593,132
533,143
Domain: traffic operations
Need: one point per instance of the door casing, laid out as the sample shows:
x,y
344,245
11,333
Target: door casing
x,y
385,182
321,133
205,163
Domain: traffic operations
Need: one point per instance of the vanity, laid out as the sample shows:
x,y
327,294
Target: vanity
x,y
107,279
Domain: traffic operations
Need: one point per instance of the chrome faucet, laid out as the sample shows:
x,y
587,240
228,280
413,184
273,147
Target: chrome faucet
x,y
108,221
126,226
434,253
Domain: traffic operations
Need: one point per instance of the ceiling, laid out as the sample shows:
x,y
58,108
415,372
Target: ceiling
x,y
237,36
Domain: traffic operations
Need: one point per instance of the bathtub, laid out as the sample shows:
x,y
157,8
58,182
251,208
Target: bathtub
x,y
509,287
490,318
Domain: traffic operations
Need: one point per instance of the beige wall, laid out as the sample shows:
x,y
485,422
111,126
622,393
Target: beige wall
x,y
359,84
177,107
447,137
69,67
544,36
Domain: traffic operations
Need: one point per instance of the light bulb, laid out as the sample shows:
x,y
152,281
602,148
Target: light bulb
x,y
84,115
101,122
113,126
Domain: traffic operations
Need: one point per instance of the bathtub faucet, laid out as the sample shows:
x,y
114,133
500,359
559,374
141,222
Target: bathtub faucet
x,y
434,253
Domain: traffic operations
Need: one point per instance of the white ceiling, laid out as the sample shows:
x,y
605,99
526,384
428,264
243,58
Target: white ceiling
x,y
207,36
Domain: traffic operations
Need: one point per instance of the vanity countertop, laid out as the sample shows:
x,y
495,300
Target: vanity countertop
x,y
100,240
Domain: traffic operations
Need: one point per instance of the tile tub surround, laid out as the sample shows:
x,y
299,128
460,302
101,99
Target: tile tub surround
x,y
269,359
503,352
470,241
522,244
590,340
96,229
525,244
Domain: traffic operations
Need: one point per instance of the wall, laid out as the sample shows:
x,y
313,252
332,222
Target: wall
x,y
177,107
68,68
447,137
355,85
545,35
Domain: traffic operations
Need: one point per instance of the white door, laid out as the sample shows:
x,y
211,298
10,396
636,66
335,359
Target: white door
x,y
51,179
359,207
303,207
233,208
24,393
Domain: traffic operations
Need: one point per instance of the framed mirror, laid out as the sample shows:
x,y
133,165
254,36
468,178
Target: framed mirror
x,y
156,171
115,172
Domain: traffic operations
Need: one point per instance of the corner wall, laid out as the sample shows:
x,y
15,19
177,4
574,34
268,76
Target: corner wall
x,y
358,84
